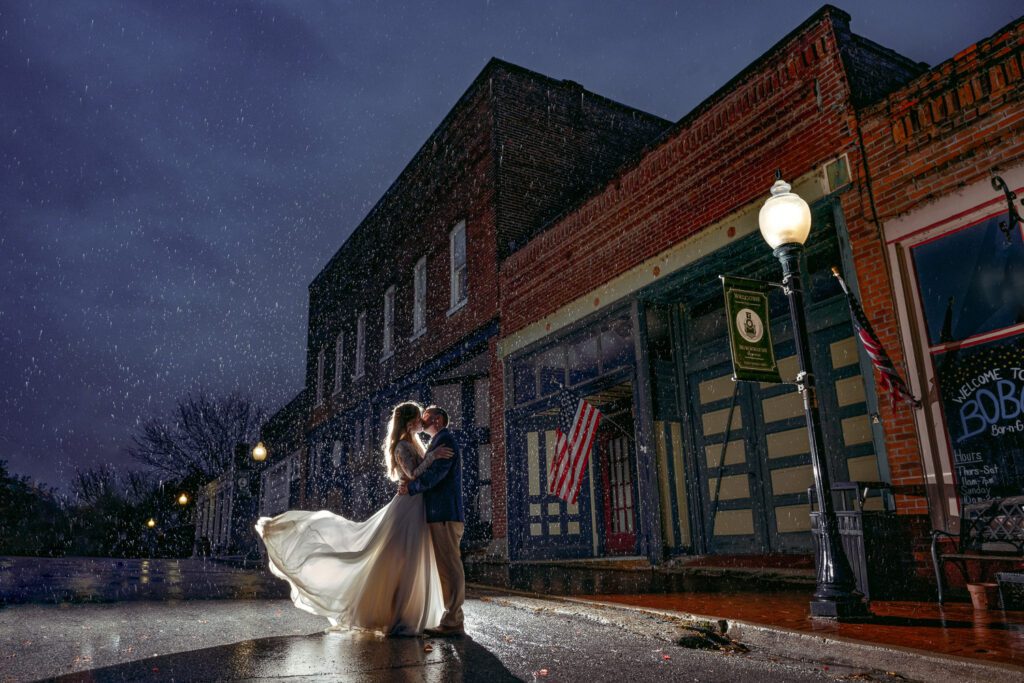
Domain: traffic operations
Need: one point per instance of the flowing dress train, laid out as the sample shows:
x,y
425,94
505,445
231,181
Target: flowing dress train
x,y
378,574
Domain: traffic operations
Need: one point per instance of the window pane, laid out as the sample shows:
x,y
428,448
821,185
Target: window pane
x,y
484,455
484,506
360,345
616,346
389,319
524,380
419,319
320,376
459,247
981,389
971,281
339,349
583,360
449,397
551,365
482,402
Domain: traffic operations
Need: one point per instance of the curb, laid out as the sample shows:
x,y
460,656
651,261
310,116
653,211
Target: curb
x,y
830,650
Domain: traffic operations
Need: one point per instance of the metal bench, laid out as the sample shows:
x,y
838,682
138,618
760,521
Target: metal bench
x,y
992,531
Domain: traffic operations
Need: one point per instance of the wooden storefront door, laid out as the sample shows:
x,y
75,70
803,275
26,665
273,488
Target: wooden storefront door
x,y
618,489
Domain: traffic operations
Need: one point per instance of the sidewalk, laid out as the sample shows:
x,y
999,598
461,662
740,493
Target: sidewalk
x,y
772,595
953,629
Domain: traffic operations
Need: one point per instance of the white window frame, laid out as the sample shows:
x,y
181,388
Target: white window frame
x,y
339,360
320,359
388,349
456,304
360,368
419,298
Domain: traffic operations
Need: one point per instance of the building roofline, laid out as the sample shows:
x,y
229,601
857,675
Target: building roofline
x,y
706,104
492,65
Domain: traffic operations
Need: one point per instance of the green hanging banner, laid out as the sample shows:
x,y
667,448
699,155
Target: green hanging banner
x,y
750,330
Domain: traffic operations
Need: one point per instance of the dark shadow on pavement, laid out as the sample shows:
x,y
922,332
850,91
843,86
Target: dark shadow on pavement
x,y
336,656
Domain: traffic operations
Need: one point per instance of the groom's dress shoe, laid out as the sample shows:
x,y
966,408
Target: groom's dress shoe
x,y
444,632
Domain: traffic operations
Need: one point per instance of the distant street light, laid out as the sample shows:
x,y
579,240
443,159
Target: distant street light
x,y
151,523
259,454
785,222
183,499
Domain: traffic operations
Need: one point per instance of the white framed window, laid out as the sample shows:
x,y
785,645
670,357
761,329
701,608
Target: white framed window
x,y
419,298
458,270
339,360
389,323
360,368
320,359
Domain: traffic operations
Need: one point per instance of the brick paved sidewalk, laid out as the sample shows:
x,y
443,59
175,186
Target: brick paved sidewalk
x,y
952,629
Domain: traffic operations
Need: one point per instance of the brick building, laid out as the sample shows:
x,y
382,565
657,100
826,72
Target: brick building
x,y
957,267
282,474
620,301
408,306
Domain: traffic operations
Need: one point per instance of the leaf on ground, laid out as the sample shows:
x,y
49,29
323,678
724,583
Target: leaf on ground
x,y
428,648
542,672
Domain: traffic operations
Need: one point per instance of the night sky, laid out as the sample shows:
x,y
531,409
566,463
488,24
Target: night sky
x,y
173,174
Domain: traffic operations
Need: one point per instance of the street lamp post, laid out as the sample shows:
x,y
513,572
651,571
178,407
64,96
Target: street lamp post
x,y
785,222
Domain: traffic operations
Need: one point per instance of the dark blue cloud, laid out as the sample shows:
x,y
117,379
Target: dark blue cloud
x,y
173,174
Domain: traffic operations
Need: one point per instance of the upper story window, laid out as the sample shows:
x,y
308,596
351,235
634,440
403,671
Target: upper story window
x,y
360,368
419,298
320,358
389,323
459,272
339,360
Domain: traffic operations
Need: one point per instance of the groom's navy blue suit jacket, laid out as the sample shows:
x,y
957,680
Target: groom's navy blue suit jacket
x,y
441,483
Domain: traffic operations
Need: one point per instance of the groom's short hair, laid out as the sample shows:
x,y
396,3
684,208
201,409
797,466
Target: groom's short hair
x,y
440,411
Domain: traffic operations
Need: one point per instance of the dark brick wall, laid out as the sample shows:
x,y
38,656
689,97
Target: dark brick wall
x,y
873,71
556,142
449,180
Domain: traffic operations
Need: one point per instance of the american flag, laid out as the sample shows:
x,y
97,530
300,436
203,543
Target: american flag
x,y
889,378
577,425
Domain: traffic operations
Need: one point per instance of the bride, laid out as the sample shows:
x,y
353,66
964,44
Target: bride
x,y
379,574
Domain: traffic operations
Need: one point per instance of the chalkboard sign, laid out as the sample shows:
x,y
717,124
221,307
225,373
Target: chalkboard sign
x,y
982,393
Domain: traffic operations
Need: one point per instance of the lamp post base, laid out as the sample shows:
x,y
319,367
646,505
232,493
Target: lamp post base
x,y
843,609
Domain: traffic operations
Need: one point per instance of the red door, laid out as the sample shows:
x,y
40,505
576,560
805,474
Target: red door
x,y
619,499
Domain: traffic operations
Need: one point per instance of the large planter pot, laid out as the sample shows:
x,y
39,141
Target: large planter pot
x,y
984,596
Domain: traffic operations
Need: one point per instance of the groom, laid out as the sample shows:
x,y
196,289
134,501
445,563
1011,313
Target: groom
x,y
441,486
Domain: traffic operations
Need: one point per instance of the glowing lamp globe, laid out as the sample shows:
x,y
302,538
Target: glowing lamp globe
x,y
183,499
151,523
259,454
785,218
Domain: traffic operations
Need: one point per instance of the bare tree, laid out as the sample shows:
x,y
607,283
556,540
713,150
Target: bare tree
x,y
199,438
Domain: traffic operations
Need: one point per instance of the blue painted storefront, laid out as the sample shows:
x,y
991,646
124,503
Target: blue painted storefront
x,y
665,381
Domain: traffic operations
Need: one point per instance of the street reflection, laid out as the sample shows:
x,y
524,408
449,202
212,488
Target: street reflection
x,y
343,656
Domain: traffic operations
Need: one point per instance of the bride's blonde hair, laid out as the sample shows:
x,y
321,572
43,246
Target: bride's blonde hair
x,y
400,418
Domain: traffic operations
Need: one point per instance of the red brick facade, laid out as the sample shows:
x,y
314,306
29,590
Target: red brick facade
x,y
793,110
946,130
950,127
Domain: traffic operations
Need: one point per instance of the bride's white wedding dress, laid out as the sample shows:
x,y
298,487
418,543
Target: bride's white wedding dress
x,y
379,574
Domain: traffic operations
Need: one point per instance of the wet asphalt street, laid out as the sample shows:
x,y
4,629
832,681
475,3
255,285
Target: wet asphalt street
x,y
271,640
95,619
